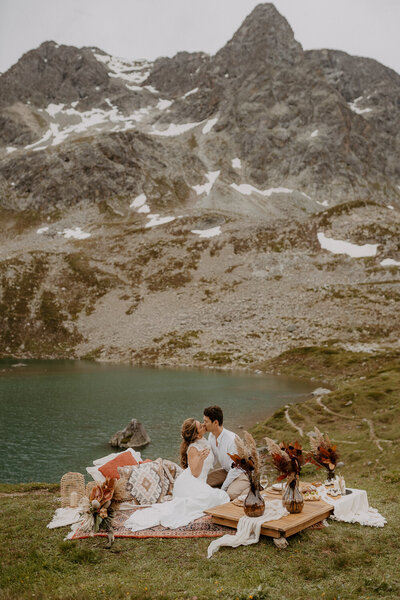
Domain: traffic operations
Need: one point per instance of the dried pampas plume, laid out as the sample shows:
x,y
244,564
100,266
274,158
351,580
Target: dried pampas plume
x,y
240,447
273,448
316,439
247,457
252,450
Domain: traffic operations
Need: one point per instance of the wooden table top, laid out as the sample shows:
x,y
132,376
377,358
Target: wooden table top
x,y
313,512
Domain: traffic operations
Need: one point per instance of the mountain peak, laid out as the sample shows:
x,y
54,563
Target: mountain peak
x,y
51,73
265,36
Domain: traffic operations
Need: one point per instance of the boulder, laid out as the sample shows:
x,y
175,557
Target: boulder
x,y
133,436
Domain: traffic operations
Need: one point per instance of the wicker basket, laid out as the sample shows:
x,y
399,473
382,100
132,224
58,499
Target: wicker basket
x,y
72,489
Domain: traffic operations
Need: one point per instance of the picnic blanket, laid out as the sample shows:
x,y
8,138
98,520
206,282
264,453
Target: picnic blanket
x,y
200,528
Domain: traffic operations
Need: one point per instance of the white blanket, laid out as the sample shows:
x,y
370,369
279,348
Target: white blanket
x,y
353,508
248,528
64,516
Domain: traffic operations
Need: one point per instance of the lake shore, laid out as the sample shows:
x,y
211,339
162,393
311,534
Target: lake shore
x,y
61,406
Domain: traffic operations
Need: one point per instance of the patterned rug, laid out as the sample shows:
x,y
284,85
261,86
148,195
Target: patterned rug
x,y
197,529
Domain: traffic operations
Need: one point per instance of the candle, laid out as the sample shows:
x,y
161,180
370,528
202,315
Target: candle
x,y
73,500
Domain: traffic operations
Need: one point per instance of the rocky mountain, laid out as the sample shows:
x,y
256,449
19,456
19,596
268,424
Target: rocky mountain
x,y
145,205
321,123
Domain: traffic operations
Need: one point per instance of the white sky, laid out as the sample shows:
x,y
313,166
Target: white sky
x,y
152,28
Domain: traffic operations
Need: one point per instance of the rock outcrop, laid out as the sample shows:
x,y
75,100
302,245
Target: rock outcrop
x,y
133,436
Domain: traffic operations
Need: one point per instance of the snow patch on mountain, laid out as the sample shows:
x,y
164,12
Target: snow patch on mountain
x,y
342,247
356,109
190,92
247,189
174,129
207,233
140,203
209,125
151,89
76,233
205,188
390,262
236,163
134,71
157,220
163,104
81,122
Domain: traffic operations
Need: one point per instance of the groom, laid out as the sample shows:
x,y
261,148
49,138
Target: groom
x,y
231,480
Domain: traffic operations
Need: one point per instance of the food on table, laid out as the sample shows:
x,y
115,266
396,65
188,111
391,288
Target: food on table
x,y
334,492
311,495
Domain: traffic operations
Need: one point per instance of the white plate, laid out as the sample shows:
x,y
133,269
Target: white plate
x,y
277,486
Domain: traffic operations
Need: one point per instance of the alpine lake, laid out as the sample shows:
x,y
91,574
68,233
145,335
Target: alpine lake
x,y
58,416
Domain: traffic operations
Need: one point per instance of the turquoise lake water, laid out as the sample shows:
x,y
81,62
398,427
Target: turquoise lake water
x,y
57,416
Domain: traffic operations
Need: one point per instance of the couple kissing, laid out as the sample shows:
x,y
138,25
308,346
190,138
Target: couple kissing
x,y
199,486
221,441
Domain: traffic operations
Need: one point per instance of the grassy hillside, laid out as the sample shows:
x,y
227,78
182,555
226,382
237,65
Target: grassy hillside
x,y
342,561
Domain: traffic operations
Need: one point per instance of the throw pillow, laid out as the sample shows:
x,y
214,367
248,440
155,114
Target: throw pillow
x,y
146,483
110,469
171,471
122,488
94,471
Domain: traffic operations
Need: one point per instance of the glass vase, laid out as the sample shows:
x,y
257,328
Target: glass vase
x,y
254,504
292,498
331,476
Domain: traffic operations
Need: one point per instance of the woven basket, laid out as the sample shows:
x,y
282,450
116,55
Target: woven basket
x,y
72,489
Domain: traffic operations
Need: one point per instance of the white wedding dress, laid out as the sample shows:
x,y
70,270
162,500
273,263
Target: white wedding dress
x,y
191,496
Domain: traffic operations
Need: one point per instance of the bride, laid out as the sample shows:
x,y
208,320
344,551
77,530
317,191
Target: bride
x,y
191,495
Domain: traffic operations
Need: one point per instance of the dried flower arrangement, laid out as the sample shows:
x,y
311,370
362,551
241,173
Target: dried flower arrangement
x,y
247,458
97,511
286,458
323,452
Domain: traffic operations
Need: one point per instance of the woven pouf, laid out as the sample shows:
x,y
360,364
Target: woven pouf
x,y
72,489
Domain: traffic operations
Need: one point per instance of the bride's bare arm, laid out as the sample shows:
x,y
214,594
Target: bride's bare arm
x,y
196,459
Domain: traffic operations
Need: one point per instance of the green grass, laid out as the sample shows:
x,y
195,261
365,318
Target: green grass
x,y
328,362
342,561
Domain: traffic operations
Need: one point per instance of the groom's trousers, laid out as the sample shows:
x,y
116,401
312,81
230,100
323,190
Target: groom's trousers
x,y
239,486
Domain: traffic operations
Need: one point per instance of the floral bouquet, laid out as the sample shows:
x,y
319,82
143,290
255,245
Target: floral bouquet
x,y
323,452
247,458
286,458
96,511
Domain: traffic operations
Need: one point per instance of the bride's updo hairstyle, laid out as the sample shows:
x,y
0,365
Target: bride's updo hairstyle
x,y
189,435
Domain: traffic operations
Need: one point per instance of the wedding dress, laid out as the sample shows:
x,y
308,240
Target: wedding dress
x,y
191,496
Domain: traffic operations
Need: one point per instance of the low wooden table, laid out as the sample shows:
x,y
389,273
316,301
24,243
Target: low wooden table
x,y
313,512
